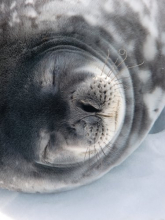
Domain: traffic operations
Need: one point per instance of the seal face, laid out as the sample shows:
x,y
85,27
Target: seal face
x,y
94,114
80,88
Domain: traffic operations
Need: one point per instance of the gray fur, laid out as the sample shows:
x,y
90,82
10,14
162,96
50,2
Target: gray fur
x,y
47,51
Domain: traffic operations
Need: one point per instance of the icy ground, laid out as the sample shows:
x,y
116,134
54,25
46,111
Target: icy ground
x,y
135,190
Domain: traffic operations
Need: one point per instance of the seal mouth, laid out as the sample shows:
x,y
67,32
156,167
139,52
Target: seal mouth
x,y
55,165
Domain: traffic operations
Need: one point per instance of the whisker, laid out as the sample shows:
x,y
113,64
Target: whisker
x,y
125,53
116,61
129,67
102,150
86,153
105,115
97,156
105,63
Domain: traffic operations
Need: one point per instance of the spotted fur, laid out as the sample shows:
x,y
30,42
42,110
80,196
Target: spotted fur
x,y
127,37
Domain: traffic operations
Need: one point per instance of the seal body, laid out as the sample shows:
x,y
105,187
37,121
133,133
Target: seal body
x,y
82,83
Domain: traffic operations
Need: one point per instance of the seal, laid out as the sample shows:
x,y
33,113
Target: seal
x,y
81,84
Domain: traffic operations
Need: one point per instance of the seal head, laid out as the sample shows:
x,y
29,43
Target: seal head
x,y
78,94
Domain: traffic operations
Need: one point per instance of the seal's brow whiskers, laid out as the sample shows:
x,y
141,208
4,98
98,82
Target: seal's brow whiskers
x,y
122,54
116,61
105,63
129,67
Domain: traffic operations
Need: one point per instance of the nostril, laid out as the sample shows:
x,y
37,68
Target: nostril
x,y
88,107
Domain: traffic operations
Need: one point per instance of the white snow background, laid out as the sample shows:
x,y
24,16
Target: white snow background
x,y
135,190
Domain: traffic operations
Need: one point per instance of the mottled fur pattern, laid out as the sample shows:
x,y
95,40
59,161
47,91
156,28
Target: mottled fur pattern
x,y
127,36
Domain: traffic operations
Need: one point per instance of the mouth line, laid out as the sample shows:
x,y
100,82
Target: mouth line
x,y
56,165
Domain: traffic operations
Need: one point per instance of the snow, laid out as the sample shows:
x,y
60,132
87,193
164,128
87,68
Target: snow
x,y
135,190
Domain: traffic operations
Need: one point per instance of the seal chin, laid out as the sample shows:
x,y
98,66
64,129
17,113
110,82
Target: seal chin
x,y
95,109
